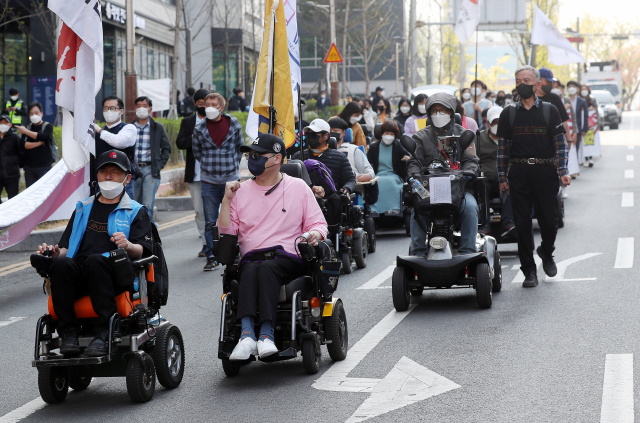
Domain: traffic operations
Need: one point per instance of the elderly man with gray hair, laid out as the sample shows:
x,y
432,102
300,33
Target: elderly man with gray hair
x,y
532,158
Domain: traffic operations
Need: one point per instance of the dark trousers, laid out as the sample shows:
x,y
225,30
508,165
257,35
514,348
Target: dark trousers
x,y
32,174
11,185
260,284
72,279
212,195
493,188
534,186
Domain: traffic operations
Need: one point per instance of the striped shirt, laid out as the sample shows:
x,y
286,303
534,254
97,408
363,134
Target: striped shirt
x,y
143,143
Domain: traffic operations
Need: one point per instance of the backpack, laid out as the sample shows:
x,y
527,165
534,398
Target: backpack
x,y
234,104
159,289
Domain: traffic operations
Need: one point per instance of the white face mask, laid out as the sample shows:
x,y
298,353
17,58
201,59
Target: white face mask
x,y
14,97
323,96
4,128
440,119
584,93
422,108
35,119
354,119
142,112
466,95
405,109
476,91
111,116
388,139
382,93
212,113
111,189
494,130
557,91
572,90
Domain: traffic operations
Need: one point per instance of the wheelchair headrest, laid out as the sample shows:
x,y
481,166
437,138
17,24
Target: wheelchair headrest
x,y
296,169
332,143
377,135
458,119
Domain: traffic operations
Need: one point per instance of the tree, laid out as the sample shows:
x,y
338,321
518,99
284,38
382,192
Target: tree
x,y
629,65
521,42
497,77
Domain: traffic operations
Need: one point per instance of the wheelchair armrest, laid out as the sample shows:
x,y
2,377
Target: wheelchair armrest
x,y
144,262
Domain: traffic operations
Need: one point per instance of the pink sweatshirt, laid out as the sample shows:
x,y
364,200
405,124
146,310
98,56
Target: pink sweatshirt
x,y
260,222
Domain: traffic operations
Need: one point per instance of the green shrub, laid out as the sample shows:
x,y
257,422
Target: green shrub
x,y
172,126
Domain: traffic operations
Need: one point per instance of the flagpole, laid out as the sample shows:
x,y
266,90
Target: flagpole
x,y
476,77
272,109
300,133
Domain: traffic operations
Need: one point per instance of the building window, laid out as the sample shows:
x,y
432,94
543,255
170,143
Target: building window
x,y
14,66
225,78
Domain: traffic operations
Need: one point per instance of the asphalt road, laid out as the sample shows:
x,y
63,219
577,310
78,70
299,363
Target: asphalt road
x,y
538,355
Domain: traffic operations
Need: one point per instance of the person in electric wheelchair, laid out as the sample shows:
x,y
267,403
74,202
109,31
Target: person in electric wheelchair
x,y
269,213
432,144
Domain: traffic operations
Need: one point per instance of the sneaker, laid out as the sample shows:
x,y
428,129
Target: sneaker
x,y
548,264
590,162
574,175
244,350
211,264
485,230
509,230
69,344
266,347
203,251
531,280
564,192
99,347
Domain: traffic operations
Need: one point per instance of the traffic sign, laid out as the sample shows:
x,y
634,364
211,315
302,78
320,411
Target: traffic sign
x,y
333,56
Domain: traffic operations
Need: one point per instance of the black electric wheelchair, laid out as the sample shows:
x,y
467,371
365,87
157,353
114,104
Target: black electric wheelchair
x,y
143,344
308,314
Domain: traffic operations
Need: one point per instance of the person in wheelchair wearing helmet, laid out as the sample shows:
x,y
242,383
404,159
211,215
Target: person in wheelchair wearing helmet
x,y
269,213
440,108
81,266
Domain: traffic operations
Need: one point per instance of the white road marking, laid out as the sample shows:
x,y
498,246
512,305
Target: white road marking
x,y
23,412
629,157
520,276
629,174
407,383
627,199
630,147
379,278
617,389
563,265
624,255
11,320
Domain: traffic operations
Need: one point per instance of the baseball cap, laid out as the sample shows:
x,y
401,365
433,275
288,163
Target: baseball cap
x,y
265,143
379,88
115,157
547,74
5,117
318,125
494,113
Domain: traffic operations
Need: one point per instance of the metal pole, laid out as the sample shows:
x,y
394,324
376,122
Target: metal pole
x,y
173,113
413,45
578,47
130,79
335,95
397,68
300,128
188,76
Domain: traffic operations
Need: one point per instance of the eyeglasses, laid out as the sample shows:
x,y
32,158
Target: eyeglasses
x,y
256,156
112,108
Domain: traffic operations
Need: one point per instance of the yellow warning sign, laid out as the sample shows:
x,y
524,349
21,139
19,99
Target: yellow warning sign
x,y
333,56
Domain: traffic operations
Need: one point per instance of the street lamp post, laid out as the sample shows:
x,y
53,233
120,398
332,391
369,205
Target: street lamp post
x,y
130,78
335,95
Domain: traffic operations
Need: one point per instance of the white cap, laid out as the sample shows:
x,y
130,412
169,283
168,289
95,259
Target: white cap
x,y
318,125
494,113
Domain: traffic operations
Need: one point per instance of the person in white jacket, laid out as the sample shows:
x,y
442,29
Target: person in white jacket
x,y
358,160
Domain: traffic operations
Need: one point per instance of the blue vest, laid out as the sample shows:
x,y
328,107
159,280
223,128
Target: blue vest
x,y
120,220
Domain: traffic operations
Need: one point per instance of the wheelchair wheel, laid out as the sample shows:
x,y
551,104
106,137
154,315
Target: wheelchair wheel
x,y
230,368
337,331
360,250
399,289
346,263
53,384
311,356
497,273
483,286
77,380
168,356
141,378
370,229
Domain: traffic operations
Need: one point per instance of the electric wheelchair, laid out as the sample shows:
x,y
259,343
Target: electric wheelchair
x,y
308,315
143,344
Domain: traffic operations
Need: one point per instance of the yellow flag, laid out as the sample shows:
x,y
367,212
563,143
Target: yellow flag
x,y
274,61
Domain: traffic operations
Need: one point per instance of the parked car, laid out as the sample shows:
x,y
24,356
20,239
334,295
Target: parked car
x,y
611,113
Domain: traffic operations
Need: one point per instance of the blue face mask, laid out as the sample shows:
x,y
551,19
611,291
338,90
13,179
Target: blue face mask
x,y
348,136
257,166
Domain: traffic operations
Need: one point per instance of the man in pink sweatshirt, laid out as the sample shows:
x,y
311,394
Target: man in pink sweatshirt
x,y
269,213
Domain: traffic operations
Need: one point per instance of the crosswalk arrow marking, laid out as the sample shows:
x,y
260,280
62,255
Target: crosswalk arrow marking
x,y
563,265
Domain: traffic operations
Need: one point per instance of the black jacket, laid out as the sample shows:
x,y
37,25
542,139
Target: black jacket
x,y
338,164
9,149
237,104
160,146
184,140
40,156
399,165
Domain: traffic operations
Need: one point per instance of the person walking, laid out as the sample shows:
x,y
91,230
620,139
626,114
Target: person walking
x,y
9,152
237,103
403,113
15,108
153,150
323,102
544,93
477,102
192,165
188,107
581,111
377,97
418,111
36,145
532,158
216,145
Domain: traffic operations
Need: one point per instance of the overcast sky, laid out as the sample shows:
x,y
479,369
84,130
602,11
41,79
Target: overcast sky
x,y
624,10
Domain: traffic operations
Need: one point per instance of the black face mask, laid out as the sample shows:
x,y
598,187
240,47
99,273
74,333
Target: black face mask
x,y
313,140
525,91
500,99
336,135
547,88
201,111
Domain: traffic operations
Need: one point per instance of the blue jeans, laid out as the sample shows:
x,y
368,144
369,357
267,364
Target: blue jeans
x,y
145,188
212,195
129,190
468,229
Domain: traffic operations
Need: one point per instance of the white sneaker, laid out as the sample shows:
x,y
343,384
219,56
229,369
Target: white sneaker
x,y
266,347
564,192
245,348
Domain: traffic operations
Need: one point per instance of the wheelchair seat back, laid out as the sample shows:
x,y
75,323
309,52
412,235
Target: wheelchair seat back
x,y
296,169
84,309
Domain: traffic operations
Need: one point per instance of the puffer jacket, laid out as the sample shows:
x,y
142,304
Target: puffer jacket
x,y
9,150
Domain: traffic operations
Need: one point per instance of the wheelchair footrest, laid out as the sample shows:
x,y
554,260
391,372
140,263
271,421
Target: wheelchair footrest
x,y
287,354
60,360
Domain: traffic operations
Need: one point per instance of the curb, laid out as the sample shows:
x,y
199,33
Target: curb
x,y
174,203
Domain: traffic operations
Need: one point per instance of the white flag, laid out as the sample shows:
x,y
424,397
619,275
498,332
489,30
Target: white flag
x,y
468,19
290,14
560,50
80,68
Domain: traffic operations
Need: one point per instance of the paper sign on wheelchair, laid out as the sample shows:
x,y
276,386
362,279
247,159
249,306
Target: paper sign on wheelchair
x,y
440,190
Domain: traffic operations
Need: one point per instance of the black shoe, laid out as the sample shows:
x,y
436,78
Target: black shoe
x,y
531,280
203,251
548,264
99,347
69,344
211,264
508,231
